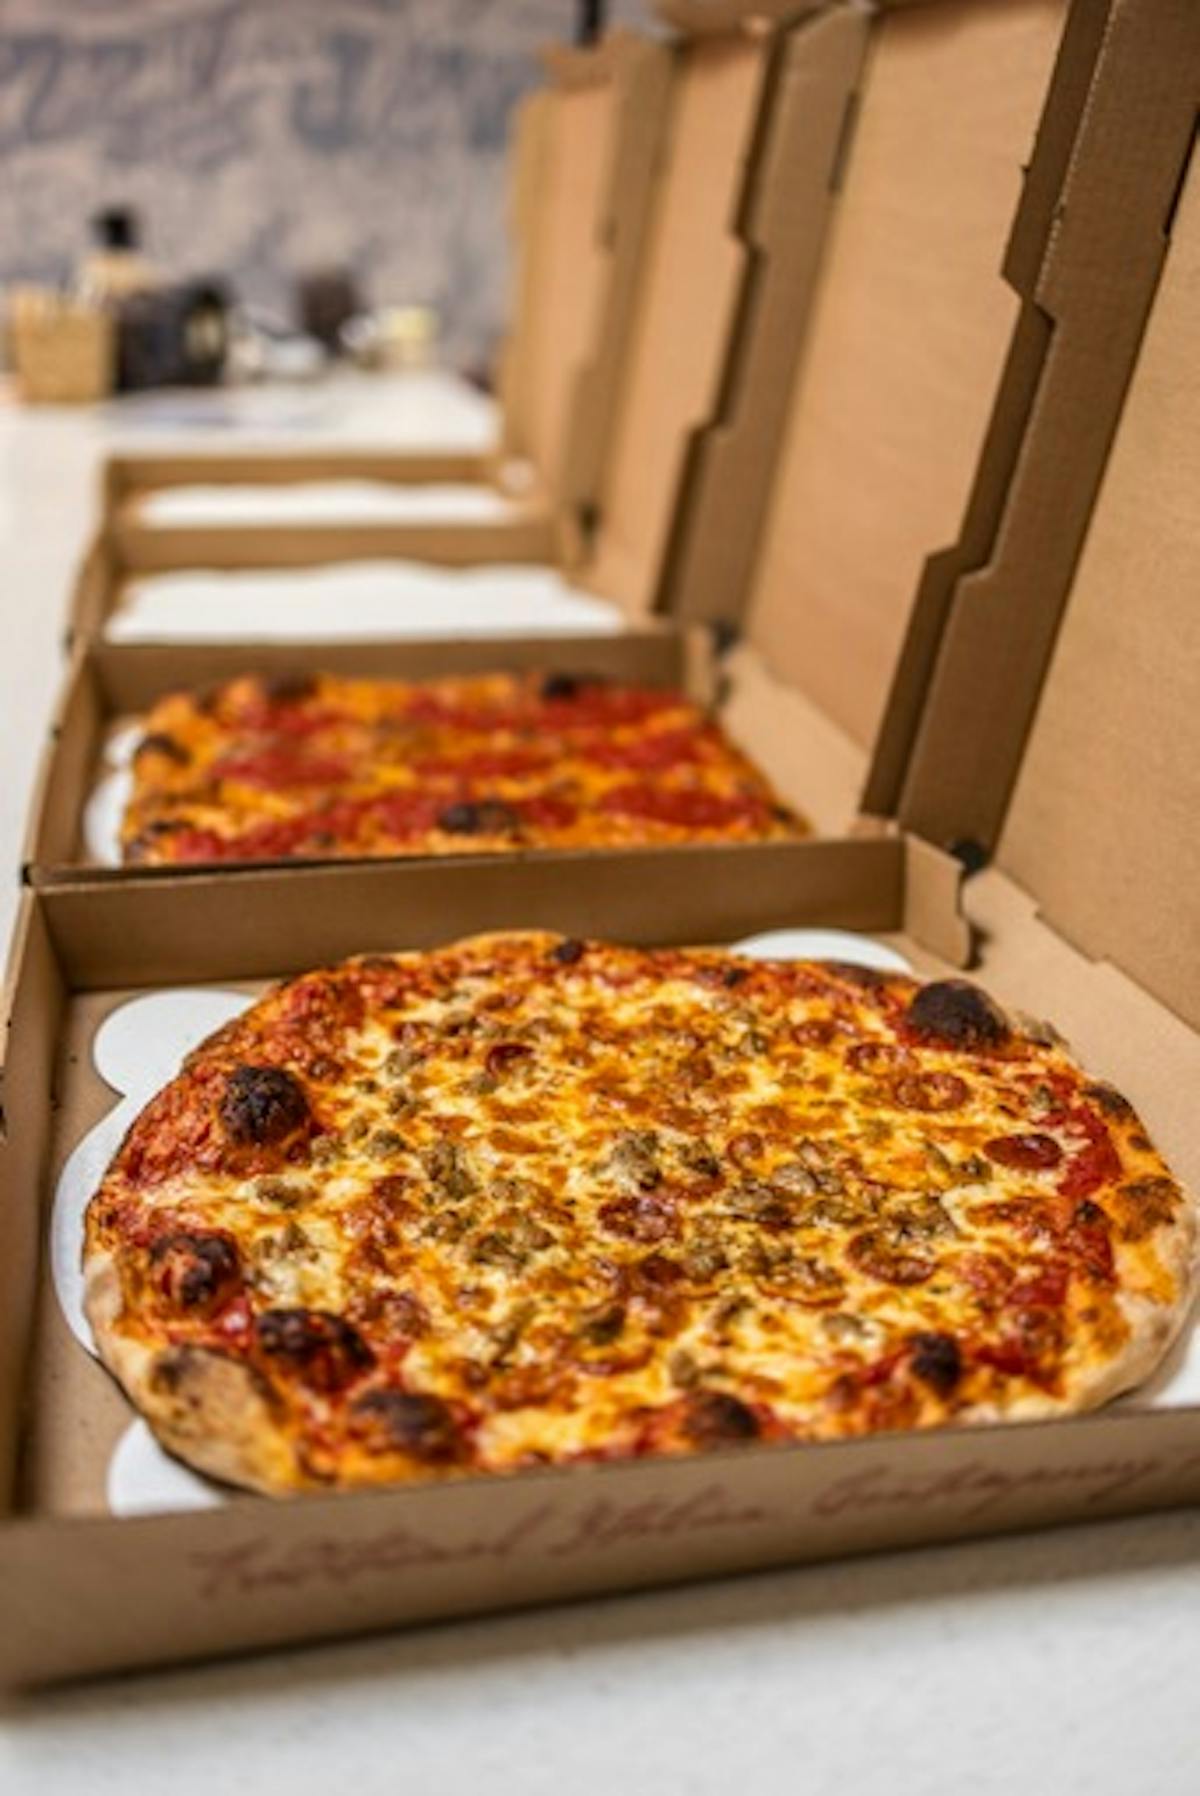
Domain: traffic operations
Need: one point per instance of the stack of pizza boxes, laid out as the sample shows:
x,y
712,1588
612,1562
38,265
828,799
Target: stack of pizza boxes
x,y
918,514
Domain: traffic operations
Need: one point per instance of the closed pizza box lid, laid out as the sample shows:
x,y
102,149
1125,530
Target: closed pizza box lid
x,y
1062,730
886,390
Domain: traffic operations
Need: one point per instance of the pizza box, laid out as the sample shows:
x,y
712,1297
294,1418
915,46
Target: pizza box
x,y
585,146
1086,915
750,112
798,690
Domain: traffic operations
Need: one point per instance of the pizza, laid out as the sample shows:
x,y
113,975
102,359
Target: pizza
x,y
324,767
529,1200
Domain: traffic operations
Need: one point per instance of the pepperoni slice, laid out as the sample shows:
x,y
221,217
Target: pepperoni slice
x,y
1097,1163
931,1091
1027,1153
686,809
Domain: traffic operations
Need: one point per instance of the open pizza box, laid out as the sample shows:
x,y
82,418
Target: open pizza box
x,y
741,120
1086,915
758,544
585,148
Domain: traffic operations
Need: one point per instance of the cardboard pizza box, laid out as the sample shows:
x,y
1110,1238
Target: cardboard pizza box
x,y
744,111
585,147
1086,915
800,692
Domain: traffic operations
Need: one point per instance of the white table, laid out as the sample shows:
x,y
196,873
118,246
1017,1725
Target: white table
x,y
1063,1662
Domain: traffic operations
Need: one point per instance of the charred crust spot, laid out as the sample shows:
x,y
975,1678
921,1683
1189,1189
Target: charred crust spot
x,y
179,1372
1108,1099
568,952
732,976
1142,1205
479,817
956,1014
567,685
288,688
319,1345
715,1419
408,1422
262,1105
159,743
937,1362
194,1267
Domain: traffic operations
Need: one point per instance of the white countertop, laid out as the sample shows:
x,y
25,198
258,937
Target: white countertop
x,y
1062,1662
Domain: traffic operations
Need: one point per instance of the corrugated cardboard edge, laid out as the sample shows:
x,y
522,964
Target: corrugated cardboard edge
x,y
803,126
988,612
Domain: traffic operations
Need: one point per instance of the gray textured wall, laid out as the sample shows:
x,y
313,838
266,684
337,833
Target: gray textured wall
x,y
258,136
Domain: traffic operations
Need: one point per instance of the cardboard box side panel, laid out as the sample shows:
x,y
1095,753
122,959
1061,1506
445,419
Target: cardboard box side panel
x,y
803,124
1097,287
685,308
908,338
91,596
644,102
1104,825
808,759
133,475
96,1594
67,768
33,1003
258,924
528,536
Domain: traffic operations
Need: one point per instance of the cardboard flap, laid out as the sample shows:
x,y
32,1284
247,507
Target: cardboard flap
x,y
563,167
1104,825
905,344
684,308
527,161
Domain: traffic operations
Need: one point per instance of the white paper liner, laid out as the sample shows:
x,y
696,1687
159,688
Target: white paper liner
x,y
301,502
143,1480
358,600
138,1048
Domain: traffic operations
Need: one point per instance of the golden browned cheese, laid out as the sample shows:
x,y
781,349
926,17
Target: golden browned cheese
x,y
324,767
527,1200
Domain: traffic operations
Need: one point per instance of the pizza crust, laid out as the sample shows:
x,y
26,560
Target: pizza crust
x,y
206,1408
